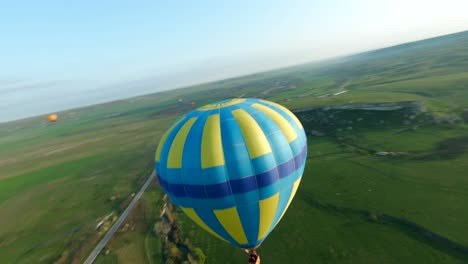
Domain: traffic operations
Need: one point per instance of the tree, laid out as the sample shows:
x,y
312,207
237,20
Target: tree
x,y
175,253
199,255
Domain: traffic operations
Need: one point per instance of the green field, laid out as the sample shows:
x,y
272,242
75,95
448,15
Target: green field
x,y
58,180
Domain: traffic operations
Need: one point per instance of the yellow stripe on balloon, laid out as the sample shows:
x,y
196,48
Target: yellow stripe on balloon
x,y
268,209
286,111
257,143
190,212
225,104
163,140
229,219
211,145
293,193
279,120
174,159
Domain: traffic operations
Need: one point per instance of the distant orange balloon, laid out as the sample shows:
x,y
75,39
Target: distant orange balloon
x,y
192,103
52,118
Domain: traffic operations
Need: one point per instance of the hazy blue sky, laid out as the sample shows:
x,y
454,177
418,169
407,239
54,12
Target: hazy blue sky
x,y
71,49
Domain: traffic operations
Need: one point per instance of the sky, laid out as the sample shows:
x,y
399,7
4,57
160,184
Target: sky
x,y
57,55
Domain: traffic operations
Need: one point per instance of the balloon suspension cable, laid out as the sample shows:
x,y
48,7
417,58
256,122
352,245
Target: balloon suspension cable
x,y
249,250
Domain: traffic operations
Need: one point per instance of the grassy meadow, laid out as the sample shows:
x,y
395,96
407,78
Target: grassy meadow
x,y
57,181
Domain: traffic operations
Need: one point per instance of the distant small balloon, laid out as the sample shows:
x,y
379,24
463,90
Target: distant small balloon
x,y
192,103
52,118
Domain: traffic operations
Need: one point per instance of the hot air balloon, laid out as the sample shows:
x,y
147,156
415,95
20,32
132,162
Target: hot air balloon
x,y
233,167
52,118
192,103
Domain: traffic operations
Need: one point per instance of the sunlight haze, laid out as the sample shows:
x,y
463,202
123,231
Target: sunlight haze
x,y
57,55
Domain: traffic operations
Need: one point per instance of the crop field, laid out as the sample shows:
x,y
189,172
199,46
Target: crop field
x,y
386,179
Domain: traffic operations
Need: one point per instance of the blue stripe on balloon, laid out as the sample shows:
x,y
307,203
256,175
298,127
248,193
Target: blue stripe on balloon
x,y
177,190
299,160
214,203
246,198
238,186
219,203
280,146
267,178
281,112
300,131
195,191
270,190
212,175
281,150
165,186
237,106
302,137
188,202
264,163
284,196
287,168
191,159
296,146
218,190
226,112
267,125
234,148
287,180
157,168
162,182
243,185
210,219
187,175
249,215
167,145
174,175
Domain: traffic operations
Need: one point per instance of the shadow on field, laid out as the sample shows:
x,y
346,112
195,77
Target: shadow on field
x,y
447,149
407,227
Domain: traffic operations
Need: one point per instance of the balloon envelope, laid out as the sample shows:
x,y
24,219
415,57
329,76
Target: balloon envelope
x,y
233,167
52,118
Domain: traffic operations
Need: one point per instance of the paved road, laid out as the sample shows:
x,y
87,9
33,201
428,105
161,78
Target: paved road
x,y
119,222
